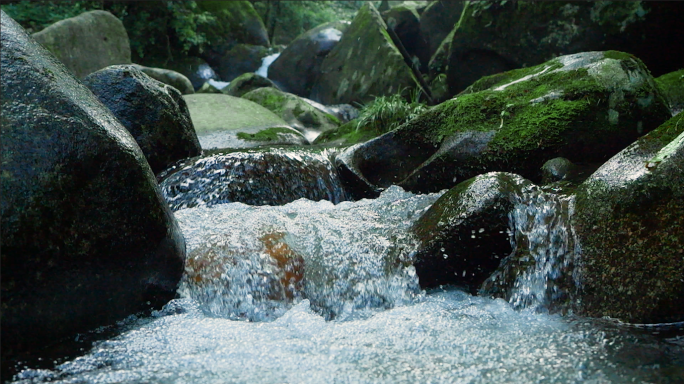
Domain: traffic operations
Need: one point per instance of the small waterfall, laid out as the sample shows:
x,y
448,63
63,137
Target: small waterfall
x,y
265,63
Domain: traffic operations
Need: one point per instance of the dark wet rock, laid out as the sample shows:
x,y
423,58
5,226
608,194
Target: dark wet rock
x,y
365,64
493,36
629,221
299,65
465,234
242,58
306,116
438,20
404,20
268,177
585,107
88,42
195,69
209,88
557,169
87,238
245,83
223,121
672,87
153,112
169,77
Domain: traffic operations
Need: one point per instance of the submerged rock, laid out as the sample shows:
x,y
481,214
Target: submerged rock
x,y
465,233
87,238
153,112
223,121
88,42
169,77
268,177
365,64
245,83
299,65
585,107
672,87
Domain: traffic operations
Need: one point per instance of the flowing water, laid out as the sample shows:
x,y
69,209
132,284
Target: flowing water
x,y
265,63
311,292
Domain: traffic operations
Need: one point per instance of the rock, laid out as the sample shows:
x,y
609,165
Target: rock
x,y
672,87
365,64
437,21
242,58
493,37
266,177
236,23
585,107
169,77
87,238
195,69
299,65
153,112
223,121
557,169
465,234
208,88
629,221
245,83
88,42
296,111
404,20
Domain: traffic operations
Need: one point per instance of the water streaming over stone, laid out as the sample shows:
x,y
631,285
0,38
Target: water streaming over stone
x,y
265,63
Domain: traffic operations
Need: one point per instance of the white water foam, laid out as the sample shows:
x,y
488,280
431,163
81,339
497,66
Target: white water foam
x,y
265,63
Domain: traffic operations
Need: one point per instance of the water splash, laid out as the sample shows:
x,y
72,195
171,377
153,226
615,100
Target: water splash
x,y
265,63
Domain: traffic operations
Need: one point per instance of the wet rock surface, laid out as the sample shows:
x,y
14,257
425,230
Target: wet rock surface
x,y
245,83
154,113
169,77
242,58
672,87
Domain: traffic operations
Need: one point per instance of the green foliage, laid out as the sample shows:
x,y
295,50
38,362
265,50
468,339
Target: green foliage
x,y
386,113
36,15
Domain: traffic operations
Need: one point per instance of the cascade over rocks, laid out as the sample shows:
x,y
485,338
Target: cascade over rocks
x,y
87,238
153,112
585,107
365,64
169,77
465,233
223,121
88,42
266,177
299,65
493,36
245,83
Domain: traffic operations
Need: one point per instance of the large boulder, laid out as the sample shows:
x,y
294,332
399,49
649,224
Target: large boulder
x,y
365,64
672,87
465,234
585,107
494,36
255,177
298,112
87,42
87,238
195,69
153,112
299,65
246,82
438,20
629,221
404,20
241,58
169,77
223,121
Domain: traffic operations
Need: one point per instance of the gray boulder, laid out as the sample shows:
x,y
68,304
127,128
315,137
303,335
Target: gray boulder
x,y
87,238
153,112
195,69
242,58
438,20
88,42
247,82
169,77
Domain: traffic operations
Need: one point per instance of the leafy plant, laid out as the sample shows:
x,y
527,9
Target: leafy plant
x,y
386,113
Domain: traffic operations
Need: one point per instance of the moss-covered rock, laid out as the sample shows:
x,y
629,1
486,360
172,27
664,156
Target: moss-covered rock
x,y
404,20
629,221
241,58
672,87
169,77
298,112
437,21
493,36
465,233
223,121
153,112
299,65
87,42
363,65
87,238
585,107
245,83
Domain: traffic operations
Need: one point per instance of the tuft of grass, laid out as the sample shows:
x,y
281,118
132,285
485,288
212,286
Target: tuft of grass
x,y
386,113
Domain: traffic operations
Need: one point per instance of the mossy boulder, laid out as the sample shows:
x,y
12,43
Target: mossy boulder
x,y
153,112
629,221
223,121
365,64
585,107
168,77
241,58
299,65
494,36
298,112
437,21
272,176
247,82
87,238
465,234
195,69
404,20
88,42
672,87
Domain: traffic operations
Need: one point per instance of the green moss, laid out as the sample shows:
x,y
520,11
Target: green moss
x,y
672,87
270,134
